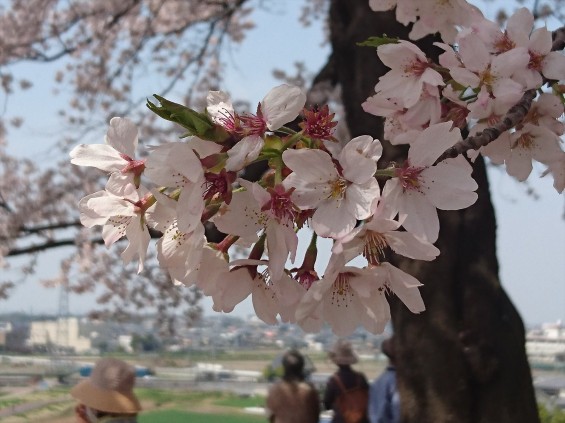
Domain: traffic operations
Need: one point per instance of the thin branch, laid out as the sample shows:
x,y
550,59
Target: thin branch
x,y
46,246
514,116
50,244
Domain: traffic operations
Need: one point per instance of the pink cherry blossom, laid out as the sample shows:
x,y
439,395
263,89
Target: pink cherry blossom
x,y
376,235
257,209
429,16
269,296
532,142
517,32
340,196
244,152
543,61
410,70
420,186
347,297
237,284
399,119
557,169
494,72
281,105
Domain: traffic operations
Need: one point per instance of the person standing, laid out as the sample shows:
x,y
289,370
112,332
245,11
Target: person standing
x,y
293,400
384,400
107,395
347,390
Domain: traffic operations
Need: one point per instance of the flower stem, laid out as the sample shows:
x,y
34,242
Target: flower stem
x,y
386,173
226,243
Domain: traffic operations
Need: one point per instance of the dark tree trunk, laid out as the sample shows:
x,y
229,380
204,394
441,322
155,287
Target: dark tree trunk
x,y
463,360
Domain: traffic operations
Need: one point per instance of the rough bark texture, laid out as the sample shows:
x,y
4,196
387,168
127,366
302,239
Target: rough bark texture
x,y
463,360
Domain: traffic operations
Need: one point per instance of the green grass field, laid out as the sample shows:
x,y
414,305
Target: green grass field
x,y
177,416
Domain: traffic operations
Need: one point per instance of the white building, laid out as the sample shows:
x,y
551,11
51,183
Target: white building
x,y
547,344
63,332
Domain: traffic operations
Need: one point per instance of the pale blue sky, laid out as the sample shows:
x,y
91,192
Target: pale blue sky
x,y
531,233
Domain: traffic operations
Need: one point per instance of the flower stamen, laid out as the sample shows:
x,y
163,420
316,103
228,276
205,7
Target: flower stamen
x,y
374,248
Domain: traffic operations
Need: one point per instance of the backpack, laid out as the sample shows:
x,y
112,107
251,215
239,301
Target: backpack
x,y
352,403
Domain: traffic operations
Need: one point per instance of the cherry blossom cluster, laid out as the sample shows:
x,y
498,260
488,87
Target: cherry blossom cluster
x,y
318,188
477,81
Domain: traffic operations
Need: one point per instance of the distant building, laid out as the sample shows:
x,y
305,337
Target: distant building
x,y
5,329
547,343
124,342
62,333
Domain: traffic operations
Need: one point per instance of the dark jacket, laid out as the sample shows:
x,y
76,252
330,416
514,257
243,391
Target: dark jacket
x,y
350,379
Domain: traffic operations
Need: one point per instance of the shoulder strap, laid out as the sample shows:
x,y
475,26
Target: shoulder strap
x,y
339,383
342,386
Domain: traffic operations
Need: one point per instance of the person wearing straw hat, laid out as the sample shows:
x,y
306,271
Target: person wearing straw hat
x,y
107,395
347,390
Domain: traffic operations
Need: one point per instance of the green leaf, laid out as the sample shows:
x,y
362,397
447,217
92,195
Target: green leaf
x,y
378,41
198,124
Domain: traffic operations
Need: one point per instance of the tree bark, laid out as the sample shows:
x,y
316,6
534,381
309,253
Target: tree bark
x,y
463,360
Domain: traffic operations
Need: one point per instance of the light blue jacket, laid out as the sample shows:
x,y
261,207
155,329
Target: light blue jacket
x,y
384,401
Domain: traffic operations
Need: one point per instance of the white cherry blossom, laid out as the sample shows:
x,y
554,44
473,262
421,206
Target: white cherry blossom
x,y
178,252
116,156
120,216
175,165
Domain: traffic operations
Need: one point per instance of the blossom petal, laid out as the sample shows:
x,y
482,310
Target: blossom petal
x,y
244,152
359,198
122,135
100,156
281,105
405,287
190,207
432,142
138,237
333,219
449,185
359,158
311,165
406,244
235,287
420,216
264,302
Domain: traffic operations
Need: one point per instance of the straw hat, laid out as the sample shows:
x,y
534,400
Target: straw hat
x,y
109,388
342,353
